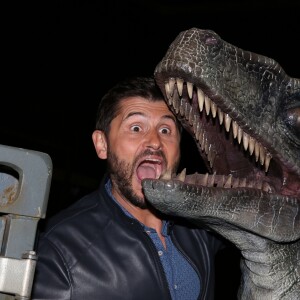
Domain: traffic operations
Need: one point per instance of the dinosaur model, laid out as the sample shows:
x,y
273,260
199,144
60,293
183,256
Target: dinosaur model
x,y
243,112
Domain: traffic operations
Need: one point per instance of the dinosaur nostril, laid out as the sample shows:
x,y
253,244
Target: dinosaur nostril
x,y
211,41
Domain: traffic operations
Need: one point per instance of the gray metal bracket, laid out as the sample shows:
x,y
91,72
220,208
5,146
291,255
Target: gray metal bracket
x,y
25,178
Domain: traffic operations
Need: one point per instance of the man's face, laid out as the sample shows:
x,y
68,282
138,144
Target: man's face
x,y
143,142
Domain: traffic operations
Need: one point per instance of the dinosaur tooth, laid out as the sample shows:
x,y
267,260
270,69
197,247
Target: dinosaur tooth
x,y
227,122
205,179
235,128
201,97
220,116
166,175
179,83
240,134
214,109
228,181
262,155
182,175
245,140
190,89
207,103
267,161
251,145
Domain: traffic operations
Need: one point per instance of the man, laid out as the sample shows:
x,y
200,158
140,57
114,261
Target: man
x,y
111,244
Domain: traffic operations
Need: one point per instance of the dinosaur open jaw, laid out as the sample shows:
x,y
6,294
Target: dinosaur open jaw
x,y
242,159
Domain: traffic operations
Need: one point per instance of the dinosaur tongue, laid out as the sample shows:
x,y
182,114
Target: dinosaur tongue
x,y
146,171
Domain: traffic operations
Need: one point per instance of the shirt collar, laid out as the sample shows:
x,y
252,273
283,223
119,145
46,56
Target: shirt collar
x,y
108,187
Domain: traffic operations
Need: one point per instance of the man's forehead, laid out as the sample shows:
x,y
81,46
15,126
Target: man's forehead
x,y
144,106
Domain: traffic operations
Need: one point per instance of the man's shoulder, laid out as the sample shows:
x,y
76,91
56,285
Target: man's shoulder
x,y
83,211
82,208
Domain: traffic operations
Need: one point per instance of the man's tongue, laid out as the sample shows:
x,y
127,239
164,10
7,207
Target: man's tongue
x,y
146,171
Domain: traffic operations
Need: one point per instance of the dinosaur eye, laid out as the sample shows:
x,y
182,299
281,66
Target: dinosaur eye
x,y
293,119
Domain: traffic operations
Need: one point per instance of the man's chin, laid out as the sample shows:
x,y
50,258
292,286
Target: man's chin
x,y
142,201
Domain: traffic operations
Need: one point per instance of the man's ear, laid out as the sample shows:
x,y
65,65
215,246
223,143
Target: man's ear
x,y
100,143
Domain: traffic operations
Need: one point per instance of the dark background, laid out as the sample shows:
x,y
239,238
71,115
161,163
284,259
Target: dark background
x,y
60,57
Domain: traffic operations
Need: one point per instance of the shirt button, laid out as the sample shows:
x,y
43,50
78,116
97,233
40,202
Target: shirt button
x,y
175,286
160,253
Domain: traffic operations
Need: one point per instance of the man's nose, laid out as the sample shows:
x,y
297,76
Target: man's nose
x,y
153,140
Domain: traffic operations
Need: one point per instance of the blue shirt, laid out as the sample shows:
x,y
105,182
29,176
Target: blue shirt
x,y
184,283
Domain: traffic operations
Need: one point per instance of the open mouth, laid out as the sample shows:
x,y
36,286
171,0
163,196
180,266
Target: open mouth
x,y
234,158
149,168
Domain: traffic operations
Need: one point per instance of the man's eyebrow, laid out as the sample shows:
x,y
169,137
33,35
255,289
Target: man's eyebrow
x,y
168,117
134,113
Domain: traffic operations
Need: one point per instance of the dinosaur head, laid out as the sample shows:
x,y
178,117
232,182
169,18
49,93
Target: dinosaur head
x,y
243,112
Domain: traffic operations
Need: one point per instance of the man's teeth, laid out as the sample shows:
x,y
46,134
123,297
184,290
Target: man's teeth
x,y
183,107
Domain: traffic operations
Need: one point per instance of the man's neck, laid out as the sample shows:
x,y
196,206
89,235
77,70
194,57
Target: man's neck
x,y
144,215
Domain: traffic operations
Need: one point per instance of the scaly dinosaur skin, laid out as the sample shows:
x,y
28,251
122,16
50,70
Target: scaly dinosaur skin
x,y
243,111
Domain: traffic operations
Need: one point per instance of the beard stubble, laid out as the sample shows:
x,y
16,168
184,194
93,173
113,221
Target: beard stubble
x,y
122,172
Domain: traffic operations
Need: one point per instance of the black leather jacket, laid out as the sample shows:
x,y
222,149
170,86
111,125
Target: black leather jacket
x,y
92,250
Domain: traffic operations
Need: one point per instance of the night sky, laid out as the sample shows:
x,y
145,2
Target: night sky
x,y
60,57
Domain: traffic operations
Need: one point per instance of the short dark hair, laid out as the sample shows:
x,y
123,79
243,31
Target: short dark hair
x,y
131,87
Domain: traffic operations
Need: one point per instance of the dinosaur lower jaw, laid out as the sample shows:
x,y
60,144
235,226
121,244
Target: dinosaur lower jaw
x,y
273,216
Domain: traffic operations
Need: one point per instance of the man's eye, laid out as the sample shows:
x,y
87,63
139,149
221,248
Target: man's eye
x,y
165,130
136,128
